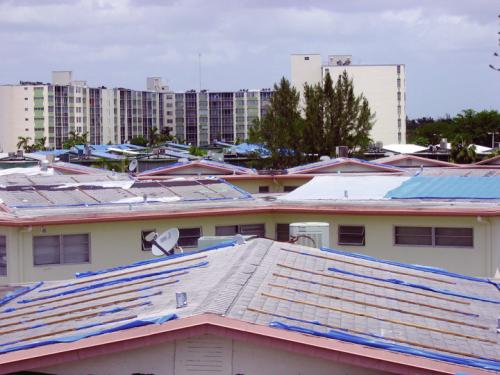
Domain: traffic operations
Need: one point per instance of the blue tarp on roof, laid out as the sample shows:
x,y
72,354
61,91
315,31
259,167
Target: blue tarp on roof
x,y
248,148
447,187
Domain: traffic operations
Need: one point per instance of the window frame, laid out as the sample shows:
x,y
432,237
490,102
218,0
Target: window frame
x,y
239,229
190,246
263,189
4,253
433,237
61,250
144,233
344,243
277,231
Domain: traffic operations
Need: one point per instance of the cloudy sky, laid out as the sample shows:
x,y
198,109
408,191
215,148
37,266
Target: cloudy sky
x,y
446,45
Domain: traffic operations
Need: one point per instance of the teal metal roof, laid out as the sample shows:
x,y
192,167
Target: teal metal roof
x,y
447,187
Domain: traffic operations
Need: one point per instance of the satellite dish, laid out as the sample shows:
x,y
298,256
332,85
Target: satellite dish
x,y
164,243
133,165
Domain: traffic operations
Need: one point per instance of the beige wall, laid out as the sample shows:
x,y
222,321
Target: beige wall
x,y
222,356
119,243
275,186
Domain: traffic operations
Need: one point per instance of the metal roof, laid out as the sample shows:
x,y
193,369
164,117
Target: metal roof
x,y
447,187
414,310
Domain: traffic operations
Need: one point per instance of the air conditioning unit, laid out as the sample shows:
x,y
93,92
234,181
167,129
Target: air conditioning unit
x,y
311,234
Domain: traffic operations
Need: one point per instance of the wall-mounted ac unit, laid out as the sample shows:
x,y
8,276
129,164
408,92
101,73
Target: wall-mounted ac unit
x,y
312,234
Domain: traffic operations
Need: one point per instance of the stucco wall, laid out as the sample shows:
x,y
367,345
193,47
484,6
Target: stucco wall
x,y
222,356
120,243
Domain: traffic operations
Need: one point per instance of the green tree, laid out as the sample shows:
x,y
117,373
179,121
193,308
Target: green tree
x,y
139,141
23,143
40,144
281,129
335,116
197,151
74,139
462,151
314,127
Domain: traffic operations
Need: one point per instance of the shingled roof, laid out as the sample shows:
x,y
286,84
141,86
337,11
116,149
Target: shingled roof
x,y
408,310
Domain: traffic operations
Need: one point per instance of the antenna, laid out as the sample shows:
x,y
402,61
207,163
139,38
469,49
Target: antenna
x,y
199,68
133,165
164,244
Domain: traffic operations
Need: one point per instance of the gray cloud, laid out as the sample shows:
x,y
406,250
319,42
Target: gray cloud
x,y
446,45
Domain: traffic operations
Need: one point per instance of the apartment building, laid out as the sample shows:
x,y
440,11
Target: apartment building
x,y
53,110
383,85
204,117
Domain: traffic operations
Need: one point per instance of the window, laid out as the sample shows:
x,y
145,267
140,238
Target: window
x,y
25,98
461,237
306,58
25,109
3,256
429,236
263,189
399,69
288,189
413,236
188,237
61,249
282,232
351,235
247,229
146,245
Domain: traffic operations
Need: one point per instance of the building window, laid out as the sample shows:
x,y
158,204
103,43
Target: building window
x,y
398,69
188,237
460,237
246,229
3,256
306,58
351,235
25,98
61,249
263,189
429,236
146,245
413,236
288,189
283,232
399,83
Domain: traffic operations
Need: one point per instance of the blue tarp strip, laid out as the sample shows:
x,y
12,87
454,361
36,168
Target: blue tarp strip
x,y
112,282
19,292
132,324
418,286
417,267
489,364
155,260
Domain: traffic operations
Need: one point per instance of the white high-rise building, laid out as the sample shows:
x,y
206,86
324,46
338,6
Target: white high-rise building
x,y
383,85
53,110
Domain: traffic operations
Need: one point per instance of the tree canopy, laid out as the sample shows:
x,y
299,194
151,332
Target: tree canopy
x,y
475,127
333,116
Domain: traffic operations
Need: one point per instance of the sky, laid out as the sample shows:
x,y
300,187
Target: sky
x,y
446,45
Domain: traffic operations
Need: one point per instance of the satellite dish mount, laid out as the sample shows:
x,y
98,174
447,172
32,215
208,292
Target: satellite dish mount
x,y
166,243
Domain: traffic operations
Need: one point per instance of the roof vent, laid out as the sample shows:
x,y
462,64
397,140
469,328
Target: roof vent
x,y
181,299
44,165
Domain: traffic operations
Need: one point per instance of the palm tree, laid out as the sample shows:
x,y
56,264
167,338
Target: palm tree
x,y
40,144
462,151
23,143
153,136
